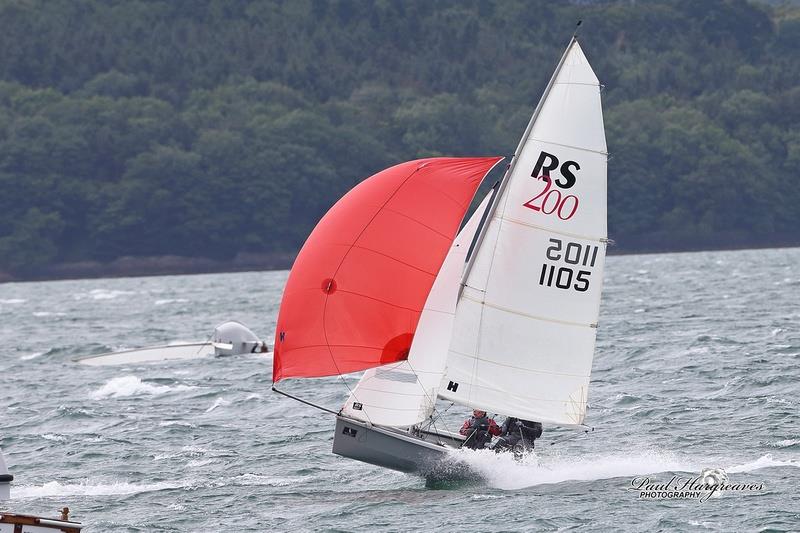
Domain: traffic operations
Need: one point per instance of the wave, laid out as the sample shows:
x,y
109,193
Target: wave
x,y
125,386
88,488
103,294
219,402
765,461
502,471
786,443
171,301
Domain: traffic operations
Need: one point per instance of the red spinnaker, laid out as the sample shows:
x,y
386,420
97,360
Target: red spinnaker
x,y
358,286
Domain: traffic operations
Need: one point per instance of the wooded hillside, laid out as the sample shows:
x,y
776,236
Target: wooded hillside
x,y
219,127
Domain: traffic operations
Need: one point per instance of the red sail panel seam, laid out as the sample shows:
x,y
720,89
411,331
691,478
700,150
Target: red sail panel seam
x,y
396,260
390,210
344,256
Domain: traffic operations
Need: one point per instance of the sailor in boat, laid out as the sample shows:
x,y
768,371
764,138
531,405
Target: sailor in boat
x,y
479,430
518,435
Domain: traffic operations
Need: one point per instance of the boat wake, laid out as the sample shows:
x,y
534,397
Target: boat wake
x,y
503,472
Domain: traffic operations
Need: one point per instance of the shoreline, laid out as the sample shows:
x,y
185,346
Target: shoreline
x,y
172,265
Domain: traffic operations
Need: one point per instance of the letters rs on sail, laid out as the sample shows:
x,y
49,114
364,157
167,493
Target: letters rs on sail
x,y
551,200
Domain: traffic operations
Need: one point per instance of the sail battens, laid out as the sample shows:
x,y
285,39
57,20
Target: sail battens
x,y
556,231
533,370
527,315
572,147
576,83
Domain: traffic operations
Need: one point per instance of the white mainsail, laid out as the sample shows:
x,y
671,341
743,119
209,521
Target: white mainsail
x,y
524,332
403,394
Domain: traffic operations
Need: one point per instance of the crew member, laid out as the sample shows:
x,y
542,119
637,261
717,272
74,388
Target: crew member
x,y
479,430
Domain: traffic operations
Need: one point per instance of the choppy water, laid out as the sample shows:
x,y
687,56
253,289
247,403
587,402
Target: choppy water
x,y
696,367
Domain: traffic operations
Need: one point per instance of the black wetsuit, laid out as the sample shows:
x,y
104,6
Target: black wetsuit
x,y
518,435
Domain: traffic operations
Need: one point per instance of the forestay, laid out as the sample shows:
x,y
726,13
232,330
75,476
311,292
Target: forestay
x,y
525,324
404,393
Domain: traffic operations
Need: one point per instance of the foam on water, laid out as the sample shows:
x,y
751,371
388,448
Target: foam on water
x,y
125,386
786,443
166,301
502,471
88,487
30,356
765,461
103,294
219,402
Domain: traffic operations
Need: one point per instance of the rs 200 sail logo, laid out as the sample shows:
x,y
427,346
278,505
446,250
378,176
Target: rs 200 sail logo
x,y
550,200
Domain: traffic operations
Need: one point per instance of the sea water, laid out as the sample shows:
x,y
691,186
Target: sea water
x,y
697,366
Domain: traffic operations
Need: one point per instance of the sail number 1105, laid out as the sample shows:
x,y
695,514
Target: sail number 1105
x,y
568,277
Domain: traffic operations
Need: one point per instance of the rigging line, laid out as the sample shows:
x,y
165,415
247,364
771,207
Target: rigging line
x,y
208,339
586,431
427,396
320,407
432,420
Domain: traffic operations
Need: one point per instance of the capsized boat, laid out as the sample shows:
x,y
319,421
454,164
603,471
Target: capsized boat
x,y
22,523
501,317
229,338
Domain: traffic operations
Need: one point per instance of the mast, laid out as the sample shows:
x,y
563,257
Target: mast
x,y
504,181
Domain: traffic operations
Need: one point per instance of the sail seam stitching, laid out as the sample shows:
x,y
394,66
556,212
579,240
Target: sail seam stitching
x,y
518,313
552,230
393,259
534,371
569,146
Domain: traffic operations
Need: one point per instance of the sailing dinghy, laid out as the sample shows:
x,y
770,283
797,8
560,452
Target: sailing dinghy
x,y
501,317
229,338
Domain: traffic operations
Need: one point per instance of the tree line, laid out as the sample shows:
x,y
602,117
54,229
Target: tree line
x,y
219,127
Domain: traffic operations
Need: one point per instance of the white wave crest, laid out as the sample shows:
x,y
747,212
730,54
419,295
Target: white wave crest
x,y
103,294
30,356
219,402
502,471
125,386
765,461
786,443
87,488
264,480
13,301
171,301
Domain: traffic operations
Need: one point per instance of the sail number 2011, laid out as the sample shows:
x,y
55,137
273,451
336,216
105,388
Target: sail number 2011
x,y
568,277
